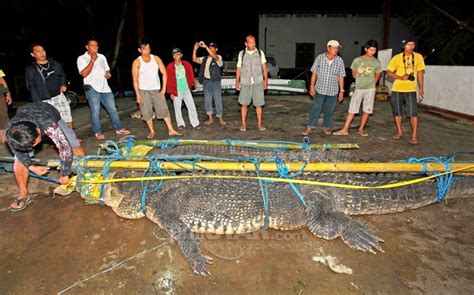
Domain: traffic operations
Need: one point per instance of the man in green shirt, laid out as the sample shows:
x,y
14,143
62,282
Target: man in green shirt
x,y
366,70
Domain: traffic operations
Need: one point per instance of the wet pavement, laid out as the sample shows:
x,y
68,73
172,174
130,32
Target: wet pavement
x,y
61,245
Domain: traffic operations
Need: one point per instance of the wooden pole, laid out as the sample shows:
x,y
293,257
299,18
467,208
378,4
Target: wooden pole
x,y
292,166
270,145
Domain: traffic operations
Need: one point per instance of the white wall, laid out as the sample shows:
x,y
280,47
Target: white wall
x,y
450,88
285,31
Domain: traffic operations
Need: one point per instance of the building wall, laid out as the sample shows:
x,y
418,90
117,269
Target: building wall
x,y
283,31
450,88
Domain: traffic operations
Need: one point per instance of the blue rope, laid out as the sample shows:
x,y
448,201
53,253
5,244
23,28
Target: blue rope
x,y
129,145
50,179
153,169
116,154
305,143
169,143
444,181
264,190
285,173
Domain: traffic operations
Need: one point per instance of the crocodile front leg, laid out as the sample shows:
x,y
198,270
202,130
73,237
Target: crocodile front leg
x,y
328,224
188,243
164,213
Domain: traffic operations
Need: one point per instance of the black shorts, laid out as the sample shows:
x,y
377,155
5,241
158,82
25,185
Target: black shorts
x,y
404,103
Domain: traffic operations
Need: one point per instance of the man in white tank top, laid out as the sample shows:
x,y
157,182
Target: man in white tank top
x,y
149,91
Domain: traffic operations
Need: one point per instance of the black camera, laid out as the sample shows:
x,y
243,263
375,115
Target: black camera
x,y
411,77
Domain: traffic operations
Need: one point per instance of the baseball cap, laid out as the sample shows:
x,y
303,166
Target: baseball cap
x,y
176,50
406,40
334,43
213,44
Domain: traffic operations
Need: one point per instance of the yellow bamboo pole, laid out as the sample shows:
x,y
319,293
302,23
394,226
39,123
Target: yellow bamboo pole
x,y
255,144
292,166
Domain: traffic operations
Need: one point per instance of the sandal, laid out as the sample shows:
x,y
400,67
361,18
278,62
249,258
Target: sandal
x,y
151,135
326,132
23,202
99,136
307,132
363,133
123,132
340,133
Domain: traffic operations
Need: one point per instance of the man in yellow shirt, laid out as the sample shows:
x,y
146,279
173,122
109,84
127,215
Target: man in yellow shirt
x,y
407,69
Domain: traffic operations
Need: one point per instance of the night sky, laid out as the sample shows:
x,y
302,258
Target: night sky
x,y
28,21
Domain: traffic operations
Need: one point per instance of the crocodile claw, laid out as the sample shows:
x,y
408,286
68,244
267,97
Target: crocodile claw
x,y
199,265
358,237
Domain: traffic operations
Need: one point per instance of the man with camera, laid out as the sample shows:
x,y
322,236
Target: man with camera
x,y
407,69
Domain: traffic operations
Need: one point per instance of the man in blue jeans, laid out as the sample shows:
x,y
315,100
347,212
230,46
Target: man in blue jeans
x,y
210,78
94,68
327,83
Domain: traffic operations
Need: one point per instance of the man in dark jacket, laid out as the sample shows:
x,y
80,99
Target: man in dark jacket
x,y
46,81
210,78
24,132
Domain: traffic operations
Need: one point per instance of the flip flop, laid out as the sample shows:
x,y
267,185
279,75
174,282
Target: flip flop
x,y
307,133
243,129
262,128
363,133
413,142
151,135
326,132
339,133
23,202
397,137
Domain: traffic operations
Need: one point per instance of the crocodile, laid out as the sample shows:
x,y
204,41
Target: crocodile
x,y
235,206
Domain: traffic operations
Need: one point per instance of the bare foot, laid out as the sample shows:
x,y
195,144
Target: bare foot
x,y
209,122
221,121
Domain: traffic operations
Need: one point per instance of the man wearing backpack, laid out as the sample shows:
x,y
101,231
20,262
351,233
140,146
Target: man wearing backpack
x,y
251,80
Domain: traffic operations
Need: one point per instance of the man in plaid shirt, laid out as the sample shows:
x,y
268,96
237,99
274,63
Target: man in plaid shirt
x,y
327,82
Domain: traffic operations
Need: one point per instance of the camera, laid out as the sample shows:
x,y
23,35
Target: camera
x,y
411,77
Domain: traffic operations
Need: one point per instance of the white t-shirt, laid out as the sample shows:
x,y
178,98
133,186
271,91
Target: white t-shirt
x,y
96,78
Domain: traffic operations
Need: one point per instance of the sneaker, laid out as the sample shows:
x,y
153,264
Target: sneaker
x,y
123,132
99,136
197,127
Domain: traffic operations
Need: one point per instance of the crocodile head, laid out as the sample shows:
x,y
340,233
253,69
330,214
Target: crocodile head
x,y
115,193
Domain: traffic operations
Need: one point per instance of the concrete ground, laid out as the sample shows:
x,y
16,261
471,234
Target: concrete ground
x,y
61,245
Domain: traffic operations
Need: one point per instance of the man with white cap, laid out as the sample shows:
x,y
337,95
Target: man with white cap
x,y
327,83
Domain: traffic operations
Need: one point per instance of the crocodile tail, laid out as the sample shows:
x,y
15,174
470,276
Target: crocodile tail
x,y
382,201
